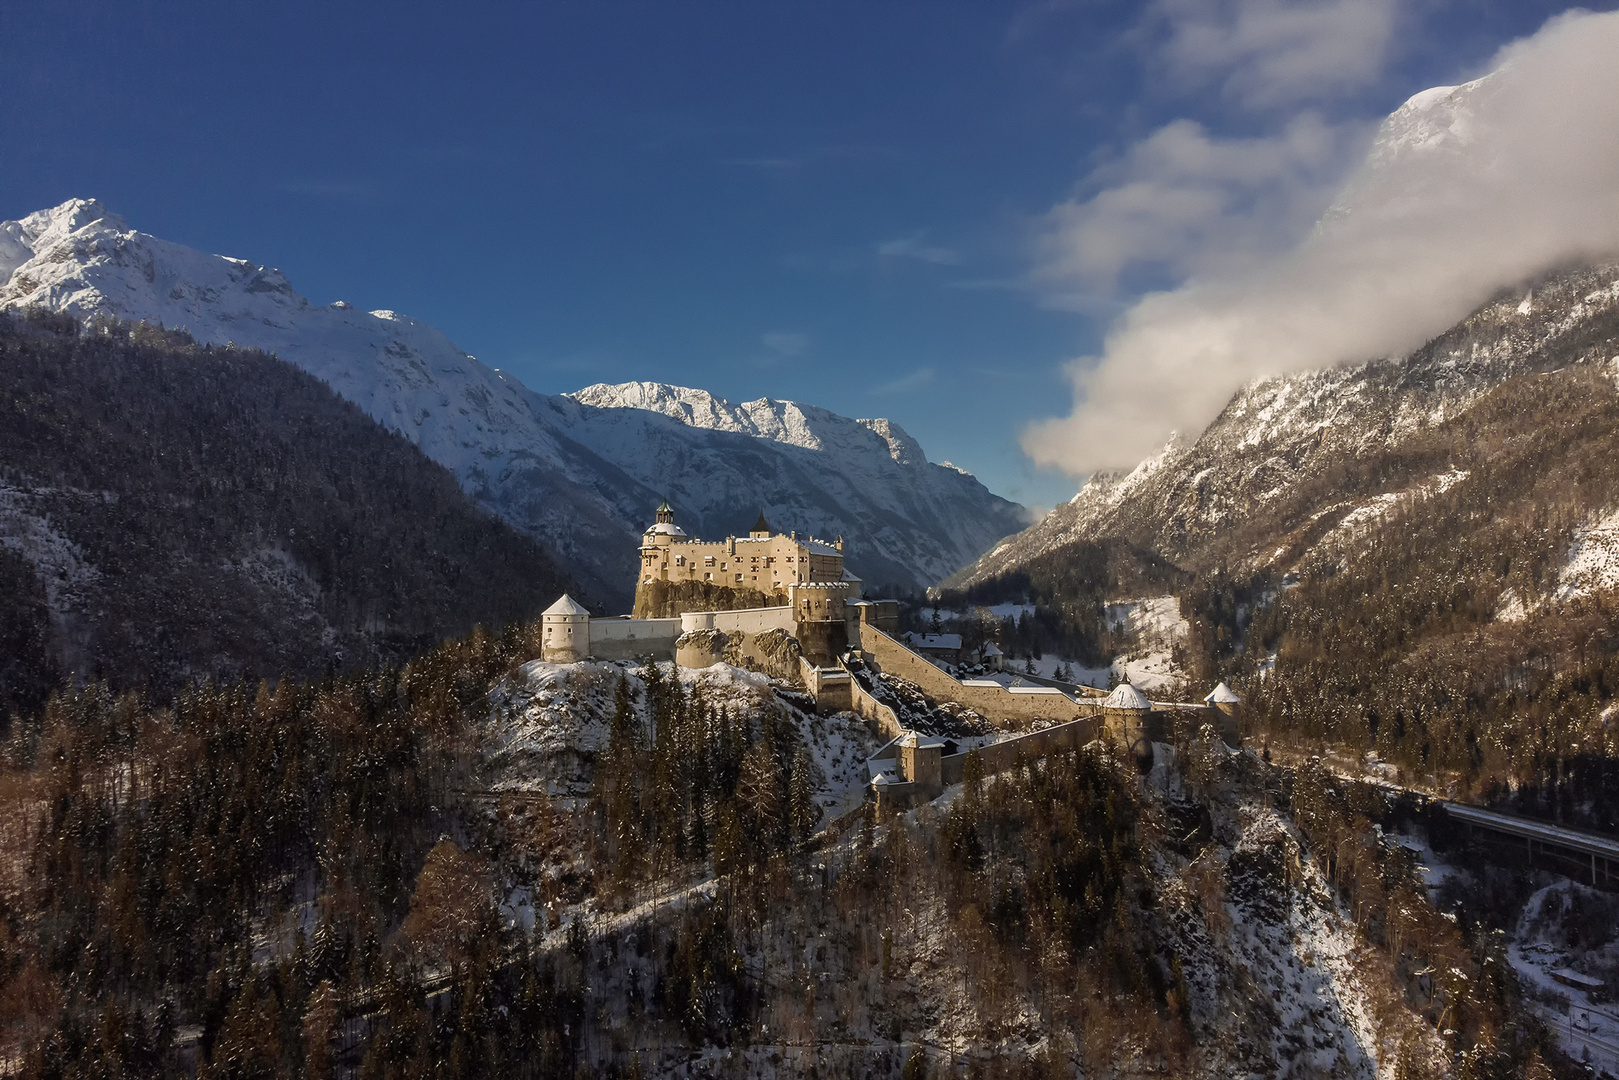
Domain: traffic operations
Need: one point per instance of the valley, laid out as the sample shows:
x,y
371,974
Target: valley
x,y
369,713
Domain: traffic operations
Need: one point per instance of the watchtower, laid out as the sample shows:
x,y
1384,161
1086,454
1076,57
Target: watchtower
x,y
566,624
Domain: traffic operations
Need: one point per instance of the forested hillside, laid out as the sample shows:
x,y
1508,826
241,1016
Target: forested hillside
x,y
170,511
1414,558
317,880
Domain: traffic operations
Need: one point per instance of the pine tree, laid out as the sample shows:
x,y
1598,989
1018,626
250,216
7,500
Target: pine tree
x,y
762,798
320,1029
801,809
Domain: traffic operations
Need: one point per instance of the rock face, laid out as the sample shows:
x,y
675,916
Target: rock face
x,y
1267,467
580,472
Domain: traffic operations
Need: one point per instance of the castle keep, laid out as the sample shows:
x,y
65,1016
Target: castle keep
x,y
770,588
763,561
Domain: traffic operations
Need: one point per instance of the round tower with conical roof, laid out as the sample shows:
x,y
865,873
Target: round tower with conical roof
x,y
566,628
1224,701
1125,714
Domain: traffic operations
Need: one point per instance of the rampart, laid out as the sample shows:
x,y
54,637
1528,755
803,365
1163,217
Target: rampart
x,y
628,639
999,703
922,771
747,620
1003,755
835,690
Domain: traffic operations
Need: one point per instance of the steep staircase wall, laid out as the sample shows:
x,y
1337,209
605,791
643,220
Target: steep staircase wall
x,y
1011,706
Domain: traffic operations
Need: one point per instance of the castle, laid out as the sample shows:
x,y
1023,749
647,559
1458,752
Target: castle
x,y
813,618
764,561
808,596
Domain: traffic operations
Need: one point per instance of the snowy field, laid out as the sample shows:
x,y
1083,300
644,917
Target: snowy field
x,y
1155,623
1157,626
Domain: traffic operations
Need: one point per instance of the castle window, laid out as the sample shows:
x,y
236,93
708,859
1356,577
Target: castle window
x,y
708,577
739,577
680,560
708,560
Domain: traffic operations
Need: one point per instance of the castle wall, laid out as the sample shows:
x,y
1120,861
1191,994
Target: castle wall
x,y
999,703
628,639
862,704
883,614
823,641
1003,755
748,621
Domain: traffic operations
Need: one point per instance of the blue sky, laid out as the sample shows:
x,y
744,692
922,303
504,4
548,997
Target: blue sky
x,y
850,205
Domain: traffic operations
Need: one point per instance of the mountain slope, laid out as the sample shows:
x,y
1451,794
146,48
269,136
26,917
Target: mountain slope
x,y
171,511
1272,464
865,479
582,473
1259,471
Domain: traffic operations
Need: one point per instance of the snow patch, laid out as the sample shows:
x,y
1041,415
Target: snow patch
x,y
1593,560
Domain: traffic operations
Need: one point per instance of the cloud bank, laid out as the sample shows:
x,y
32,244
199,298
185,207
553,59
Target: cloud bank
x,y
1466,191
1268,53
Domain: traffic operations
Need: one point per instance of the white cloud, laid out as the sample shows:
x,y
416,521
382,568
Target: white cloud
x,y
784,343
1466,193
1266,53
907,384
916,247
1182,203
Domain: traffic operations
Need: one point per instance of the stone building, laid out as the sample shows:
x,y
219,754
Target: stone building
x,y
763,561
808,598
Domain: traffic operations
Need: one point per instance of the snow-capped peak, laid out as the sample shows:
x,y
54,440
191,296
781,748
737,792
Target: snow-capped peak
x,y
581,472
42,230
766,418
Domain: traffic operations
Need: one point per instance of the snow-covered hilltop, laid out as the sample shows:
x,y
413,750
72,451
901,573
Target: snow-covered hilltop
x,y
581,472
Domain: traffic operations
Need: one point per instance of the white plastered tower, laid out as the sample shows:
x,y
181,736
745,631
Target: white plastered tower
x,y
566,626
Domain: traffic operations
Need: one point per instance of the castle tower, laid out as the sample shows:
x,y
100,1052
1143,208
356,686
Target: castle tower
x,y
1124,713
1229,705
921,762
566,626
761,529
663,531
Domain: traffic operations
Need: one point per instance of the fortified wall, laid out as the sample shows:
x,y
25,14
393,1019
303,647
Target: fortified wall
x,y
998,702
922,768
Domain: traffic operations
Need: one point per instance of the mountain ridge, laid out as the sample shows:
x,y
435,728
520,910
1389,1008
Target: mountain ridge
x,y
171,512
556,466
1227,494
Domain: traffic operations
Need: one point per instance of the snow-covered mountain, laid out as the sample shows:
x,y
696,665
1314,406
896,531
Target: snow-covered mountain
x,y
1252,476
581,472
1265,468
